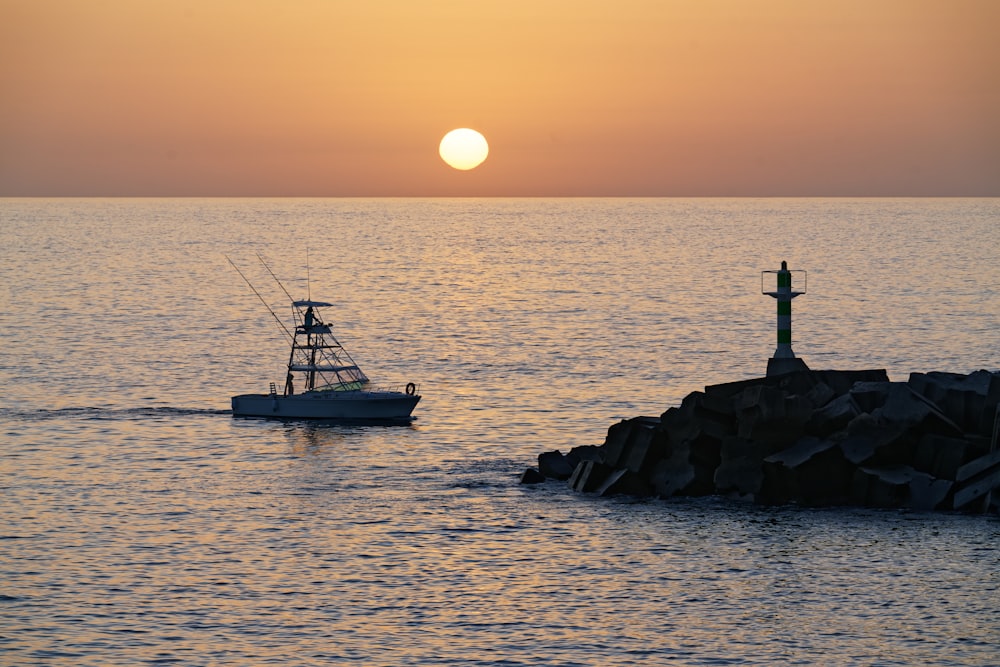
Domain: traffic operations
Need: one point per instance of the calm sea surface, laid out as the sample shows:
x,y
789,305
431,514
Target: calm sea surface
x,y
141,524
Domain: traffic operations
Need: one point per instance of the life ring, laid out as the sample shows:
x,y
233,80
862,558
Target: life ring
x,y
411,389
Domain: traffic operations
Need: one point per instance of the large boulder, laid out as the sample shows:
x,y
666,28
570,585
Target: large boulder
x,y
903,406
532,476
740,470
589,476
554,465
897,487
941,456
810,472
881,487
646,444
928,492
614,442
970,401
842,381
833,416
688,469
772,416
869,396
674,475
976,482
623,482
868,442
584,453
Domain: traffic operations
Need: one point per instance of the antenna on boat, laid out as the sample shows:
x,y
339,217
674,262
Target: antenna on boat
x,y
308,279
247,281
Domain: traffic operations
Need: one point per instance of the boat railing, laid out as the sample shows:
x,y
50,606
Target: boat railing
x,y
408,388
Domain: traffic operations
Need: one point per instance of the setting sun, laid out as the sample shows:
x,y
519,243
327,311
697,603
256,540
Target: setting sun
x,y
464,149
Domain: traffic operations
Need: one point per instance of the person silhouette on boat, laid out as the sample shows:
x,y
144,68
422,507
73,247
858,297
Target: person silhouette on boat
x,y
310,318
289,385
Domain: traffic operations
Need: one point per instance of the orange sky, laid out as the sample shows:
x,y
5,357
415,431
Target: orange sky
x,y
576,97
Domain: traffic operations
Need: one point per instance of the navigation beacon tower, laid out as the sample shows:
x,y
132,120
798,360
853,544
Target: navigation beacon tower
x,y
784,360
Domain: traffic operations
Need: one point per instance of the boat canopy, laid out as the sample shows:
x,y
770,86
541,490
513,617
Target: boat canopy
x,y
323,368
315,304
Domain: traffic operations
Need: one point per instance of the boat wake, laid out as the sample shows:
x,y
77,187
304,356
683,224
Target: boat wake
x,y
99,413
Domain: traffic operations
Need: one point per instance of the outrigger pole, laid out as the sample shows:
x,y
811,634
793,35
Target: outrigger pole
x,y
247,281
290,299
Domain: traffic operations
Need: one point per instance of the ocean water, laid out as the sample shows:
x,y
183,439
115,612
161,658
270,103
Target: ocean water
x,y
141,524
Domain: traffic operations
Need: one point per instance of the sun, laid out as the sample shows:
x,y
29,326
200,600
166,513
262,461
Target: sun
x,y
464,149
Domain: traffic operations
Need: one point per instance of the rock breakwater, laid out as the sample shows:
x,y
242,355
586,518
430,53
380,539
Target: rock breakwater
x,y
808,437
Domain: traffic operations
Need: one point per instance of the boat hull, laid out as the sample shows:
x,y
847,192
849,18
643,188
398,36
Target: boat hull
x,y
334,405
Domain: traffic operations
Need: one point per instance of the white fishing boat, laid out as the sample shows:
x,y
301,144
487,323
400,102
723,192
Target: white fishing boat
x,y
322,381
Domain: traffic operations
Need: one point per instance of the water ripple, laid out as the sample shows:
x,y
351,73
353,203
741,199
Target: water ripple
x,y
144,525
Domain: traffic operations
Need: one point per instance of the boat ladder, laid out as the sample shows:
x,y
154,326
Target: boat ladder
x,y
274,390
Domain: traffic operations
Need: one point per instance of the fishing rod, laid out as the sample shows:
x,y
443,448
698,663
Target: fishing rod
x,y
247,281
275,278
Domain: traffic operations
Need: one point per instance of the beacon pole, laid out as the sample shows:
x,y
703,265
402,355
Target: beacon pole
x,y
784,360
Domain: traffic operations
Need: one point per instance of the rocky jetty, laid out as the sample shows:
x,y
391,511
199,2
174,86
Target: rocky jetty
x,y
812,438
